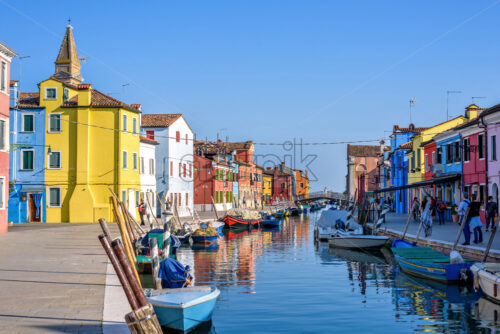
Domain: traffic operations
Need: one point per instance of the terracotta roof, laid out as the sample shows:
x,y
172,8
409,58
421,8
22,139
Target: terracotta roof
x,y
137,106
102,100
363,150
241,162
83,86
147,140
409,129
73,102
220,147
406,146
158,120
259,167
29,100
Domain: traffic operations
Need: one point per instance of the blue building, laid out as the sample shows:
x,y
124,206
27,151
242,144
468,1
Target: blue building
x,y
449,162
27,159
400,146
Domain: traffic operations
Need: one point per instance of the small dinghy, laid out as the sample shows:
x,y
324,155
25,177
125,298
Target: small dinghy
x,y
270,221
350,240
205,235
178,307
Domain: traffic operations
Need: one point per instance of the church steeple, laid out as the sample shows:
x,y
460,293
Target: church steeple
x,y
67,62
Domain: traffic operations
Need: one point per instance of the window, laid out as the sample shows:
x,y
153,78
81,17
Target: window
x,y
180,169
493,148
137,197
55,123
190,170
50,93
2,193
142,165
65,94
177,136
412,163
448,154
439,153
184,170
151,166
54,160
171,168
171,198
456,155
134,160
418,158
433,161
482,193
480,146
186,138
216,174
3,137
124,196
27,159
187,199
466,149
179,199
124,160
3,76
54,197
28,123
124,123
426,161
150,134
134,126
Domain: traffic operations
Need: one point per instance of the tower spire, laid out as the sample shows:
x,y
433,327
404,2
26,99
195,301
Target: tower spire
x,y
67,62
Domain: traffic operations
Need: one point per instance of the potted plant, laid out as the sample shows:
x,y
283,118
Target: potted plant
x,y
454,214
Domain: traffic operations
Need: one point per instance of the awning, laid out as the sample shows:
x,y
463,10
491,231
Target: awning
x,y
437,180
32,189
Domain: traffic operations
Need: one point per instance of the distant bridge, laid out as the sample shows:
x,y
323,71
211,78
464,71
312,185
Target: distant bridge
x,y
320,195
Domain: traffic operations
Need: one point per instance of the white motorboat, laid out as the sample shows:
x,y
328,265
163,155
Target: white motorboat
x,y
487,276
356,240
325,225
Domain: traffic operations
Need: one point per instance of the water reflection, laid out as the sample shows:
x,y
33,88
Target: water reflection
x,y
292,285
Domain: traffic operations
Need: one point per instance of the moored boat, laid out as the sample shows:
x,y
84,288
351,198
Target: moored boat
x,y
347,240
204,239
270,221
487,277
239,223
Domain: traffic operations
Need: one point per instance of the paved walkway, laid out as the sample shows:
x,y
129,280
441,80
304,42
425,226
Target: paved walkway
x,y
447,232
53,279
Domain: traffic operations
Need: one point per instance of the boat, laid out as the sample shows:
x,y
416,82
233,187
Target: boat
x,y
487,276
349,240
270,221
279,214
143,257
183,309
205,239
325,225
294,211
241,219
428,263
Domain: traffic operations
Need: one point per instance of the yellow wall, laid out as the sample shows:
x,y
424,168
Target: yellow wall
x,y
418,174
267,185
91,156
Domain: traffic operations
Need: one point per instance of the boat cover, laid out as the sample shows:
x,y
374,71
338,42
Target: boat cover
x,y
244,214
173,274
328,218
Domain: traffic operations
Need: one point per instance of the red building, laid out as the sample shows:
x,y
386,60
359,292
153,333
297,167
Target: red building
x,y
429,148
282,185
6,56
213,179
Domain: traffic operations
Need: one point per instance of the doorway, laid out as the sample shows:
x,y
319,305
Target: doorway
x,y
34,208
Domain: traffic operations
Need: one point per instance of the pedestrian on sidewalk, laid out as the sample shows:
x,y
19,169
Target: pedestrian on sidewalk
x,y
474,221
142,211
440,209
491,212
427,216
464,220
415,207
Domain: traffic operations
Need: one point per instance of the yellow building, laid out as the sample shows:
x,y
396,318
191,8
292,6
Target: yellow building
x,y
86,155
416,169
267,187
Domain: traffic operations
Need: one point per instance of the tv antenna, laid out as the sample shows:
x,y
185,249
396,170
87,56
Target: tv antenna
x,y
448,92
477,97
412,104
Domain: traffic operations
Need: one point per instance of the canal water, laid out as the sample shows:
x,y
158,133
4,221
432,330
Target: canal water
x,y
280,281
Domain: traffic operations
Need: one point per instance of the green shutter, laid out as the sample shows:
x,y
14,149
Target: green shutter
x,y
216,174
28,160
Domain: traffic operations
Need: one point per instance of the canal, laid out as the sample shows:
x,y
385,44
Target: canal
x,y
280,281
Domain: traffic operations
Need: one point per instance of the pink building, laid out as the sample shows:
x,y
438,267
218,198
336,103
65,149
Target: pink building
x,y
474,179
6,56
491,119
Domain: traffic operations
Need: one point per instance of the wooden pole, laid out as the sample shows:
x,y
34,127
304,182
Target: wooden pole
x,y
407,224
462,225
155,262
215,209
152,213
418,231
128,226
127,244
490,241
143,321
128,269
138,229
166,240
105,228
132,300
159,200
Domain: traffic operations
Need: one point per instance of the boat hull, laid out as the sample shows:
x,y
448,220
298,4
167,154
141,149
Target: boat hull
x,y
358,242
488,281
237,223
185,318
205,240
271,223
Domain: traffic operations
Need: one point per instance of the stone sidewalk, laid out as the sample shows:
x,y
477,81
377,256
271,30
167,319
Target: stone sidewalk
x,y
443,234
52,279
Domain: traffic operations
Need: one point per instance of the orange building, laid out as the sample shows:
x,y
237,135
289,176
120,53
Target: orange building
x,y
361,169
301,184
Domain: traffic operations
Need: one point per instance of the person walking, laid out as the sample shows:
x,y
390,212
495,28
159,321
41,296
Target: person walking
x,y
415,207
426,217
474,221
461,212
142,211
440,209
491,212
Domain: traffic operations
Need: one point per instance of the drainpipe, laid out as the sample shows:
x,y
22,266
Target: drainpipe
x,y
482,125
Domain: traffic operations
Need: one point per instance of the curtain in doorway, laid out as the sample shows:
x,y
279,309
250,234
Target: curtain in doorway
x,y
37,200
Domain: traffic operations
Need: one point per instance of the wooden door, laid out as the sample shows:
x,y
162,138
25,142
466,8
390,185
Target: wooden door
x,y
32,210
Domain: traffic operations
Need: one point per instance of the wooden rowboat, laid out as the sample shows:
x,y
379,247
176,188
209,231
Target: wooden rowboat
x,y
239,223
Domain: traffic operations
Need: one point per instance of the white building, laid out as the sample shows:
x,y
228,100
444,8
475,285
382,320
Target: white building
x,y
147,148
174,158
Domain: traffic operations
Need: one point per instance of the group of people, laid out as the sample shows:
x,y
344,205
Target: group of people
x,y
431,207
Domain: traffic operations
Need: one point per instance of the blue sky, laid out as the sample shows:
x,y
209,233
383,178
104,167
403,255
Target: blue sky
x,y
272,71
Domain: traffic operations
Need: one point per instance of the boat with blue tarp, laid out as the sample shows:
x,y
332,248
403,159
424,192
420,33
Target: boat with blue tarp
x,y
270,221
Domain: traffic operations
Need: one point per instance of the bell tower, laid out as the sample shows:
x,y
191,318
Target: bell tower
x,y
67,62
